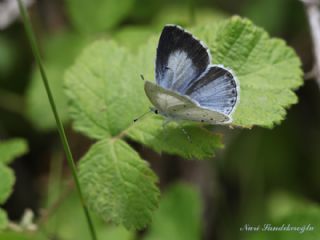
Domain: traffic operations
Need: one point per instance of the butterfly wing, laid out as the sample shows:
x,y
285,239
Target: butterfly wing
x,y
179,107
181,58
199,114
164,99
216,89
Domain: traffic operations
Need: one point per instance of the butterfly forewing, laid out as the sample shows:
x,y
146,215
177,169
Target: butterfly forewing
x,y
181,58
163,99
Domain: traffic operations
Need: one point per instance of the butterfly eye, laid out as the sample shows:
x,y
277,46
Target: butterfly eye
x,y
156,111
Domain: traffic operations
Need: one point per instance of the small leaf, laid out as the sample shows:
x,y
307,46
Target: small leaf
x,y
118,184
97,15
178,216
11,149
7,181
3,219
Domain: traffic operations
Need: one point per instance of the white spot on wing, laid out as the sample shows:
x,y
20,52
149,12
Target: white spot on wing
x,y
181,66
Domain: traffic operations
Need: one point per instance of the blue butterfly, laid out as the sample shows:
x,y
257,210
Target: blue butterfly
x,y
188,86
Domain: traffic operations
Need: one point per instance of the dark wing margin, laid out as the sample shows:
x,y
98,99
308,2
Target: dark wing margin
x,y
216,89
181,58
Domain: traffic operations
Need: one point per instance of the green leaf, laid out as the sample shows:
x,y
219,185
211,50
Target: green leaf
x,y
267,70
59,53
11,149
97,15
7,181
178,216
3,219
105,90
107,106
174,139
118,184
74,224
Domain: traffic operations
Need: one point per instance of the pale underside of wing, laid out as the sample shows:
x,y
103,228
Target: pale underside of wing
x,y
178,107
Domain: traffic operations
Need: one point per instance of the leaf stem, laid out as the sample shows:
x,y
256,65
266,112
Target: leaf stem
x,y
36,53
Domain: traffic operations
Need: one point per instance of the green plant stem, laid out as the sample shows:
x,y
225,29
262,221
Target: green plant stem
x,y
36,53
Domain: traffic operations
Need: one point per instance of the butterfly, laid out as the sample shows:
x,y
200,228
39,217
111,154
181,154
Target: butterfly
x,y
188,86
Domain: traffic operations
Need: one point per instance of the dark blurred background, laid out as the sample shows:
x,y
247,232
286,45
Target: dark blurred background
x,y
238,186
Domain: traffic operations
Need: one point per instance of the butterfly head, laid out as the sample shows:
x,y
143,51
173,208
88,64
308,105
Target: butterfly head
x,y
153,109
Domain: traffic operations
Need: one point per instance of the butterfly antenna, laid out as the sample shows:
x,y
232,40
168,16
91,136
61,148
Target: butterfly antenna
x,y
142,115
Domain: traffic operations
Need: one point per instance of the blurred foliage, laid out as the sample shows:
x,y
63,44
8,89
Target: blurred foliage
x,y
178,216
3,216
8,57
103,14
9,150
18,236
74,224
184,16
289,211
273,16
12,149
132,37
59,52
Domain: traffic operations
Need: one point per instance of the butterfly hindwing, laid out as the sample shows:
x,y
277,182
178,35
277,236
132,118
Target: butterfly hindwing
x,y
181,58
216,89
199,114
178,107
